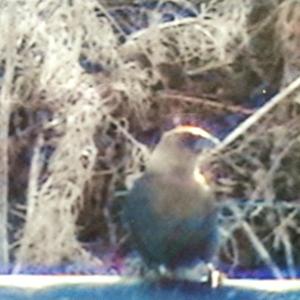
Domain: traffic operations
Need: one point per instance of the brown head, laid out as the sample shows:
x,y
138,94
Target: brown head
x,y
179,150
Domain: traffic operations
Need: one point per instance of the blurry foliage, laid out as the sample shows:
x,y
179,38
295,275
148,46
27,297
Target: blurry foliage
x,y
94,82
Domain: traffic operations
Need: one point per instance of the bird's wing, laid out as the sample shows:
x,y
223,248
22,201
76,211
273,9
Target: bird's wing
x,y
144,224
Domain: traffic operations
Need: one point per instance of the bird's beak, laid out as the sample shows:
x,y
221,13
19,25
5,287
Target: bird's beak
x,y
203,144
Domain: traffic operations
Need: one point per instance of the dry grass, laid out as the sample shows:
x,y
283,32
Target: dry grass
x,y
78,100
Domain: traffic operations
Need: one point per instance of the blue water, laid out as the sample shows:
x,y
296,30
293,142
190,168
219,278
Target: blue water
x,y
144,291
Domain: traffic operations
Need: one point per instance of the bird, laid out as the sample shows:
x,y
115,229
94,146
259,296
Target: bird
x,y
171,210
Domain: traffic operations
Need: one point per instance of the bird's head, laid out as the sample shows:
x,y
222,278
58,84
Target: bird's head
x,y
179,150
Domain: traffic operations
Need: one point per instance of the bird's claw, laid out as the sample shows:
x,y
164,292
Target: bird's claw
x,y
215,277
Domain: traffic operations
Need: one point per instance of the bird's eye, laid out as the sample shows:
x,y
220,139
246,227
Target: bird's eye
x,y
189,140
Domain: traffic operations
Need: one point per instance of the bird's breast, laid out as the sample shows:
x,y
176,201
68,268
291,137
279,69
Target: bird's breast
x,y
181,198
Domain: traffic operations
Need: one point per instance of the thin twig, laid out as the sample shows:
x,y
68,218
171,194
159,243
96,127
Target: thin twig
x,y
273,169
256,243
9,35
259,114
127,135
175,23
288,249
112,20
33,178
206,102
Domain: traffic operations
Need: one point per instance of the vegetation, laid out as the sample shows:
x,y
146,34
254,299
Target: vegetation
x,y
87,88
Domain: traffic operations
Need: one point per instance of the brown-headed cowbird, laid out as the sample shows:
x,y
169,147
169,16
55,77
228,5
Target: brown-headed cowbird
x,y
171,210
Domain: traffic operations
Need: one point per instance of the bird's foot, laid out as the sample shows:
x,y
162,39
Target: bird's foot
x,y
215,277
158,272
204,273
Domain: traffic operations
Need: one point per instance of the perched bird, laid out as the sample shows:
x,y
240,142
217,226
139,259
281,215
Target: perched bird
x,y
171,210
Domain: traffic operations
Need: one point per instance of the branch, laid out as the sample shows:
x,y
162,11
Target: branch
x,y
206,102
88,282
260,113
8,34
